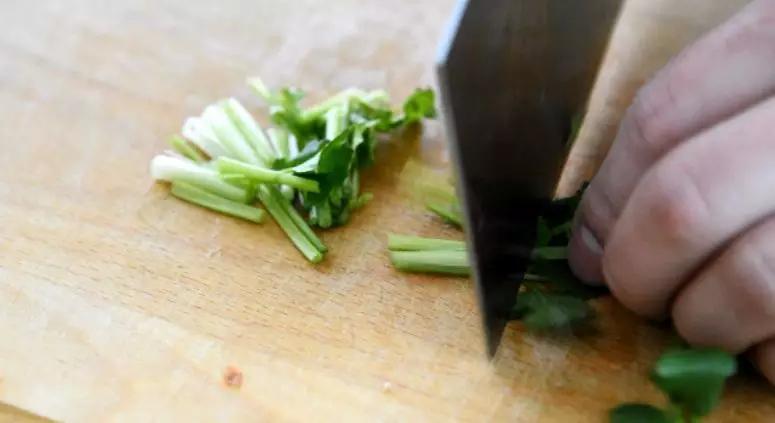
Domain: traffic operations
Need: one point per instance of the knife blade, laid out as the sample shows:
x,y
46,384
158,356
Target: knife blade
x,y
513,74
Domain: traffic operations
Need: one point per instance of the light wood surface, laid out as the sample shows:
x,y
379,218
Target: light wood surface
x,y
120,303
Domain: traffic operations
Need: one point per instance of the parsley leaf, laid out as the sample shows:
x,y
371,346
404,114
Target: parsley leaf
x,y
694,379
421,104
640,413
541,311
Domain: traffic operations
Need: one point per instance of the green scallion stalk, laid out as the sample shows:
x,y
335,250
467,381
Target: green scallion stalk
x,y
445,262
335,121
250,129
196,130
200,197
279,140
324,218
182,146
361,201
549,253
286,223
416,243
260,88
173,169
264,175
297,219
450,213
229,136
320,109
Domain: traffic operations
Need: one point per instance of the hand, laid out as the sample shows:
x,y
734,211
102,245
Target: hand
x,y
680,220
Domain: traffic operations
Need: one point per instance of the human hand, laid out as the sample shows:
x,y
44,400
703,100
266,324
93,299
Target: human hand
x,y
680,219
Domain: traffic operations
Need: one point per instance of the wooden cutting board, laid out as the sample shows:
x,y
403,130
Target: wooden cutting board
x,y
120,303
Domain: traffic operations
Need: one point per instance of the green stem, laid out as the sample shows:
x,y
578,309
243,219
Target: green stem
x,y
529,277
263,175
445,262
549,253
449,212
182,146
318,110
416,243
279,139
205,199
279,213
250,129
297,219
172,169
229,136
335,121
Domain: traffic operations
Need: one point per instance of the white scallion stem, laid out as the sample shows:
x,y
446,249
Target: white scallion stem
x,y
173,169
229,135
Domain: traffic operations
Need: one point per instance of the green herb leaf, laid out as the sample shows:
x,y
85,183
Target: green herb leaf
x,y
421,104
563,281
541,311
640,413
694,379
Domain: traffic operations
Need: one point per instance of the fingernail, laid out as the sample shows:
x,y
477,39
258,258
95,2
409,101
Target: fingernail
x,y
585,255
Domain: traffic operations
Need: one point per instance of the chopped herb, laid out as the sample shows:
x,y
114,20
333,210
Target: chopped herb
x,y
264,175
641,413
416,243
172,169
183,147
311,160
542,311
439,261
691,378
205,199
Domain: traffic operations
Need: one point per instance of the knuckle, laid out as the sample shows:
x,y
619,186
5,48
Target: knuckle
x,y
650,125
677,208
750,272
624,284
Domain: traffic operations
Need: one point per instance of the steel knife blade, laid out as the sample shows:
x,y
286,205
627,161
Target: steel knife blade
x,y
513,74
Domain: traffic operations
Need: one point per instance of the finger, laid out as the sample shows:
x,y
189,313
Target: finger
x,y
725,72
686,207
730,304
763,356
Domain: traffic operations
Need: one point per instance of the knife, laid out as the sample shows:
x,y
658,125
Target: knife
x,y
513,75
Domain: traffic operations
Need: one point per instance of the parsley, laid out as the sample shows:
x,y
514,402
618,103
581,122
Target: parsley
x,y
337,137
225,161
692,379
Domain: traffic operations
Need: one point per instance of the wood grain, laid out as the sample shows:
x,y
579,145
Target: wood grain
x,y
123,304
